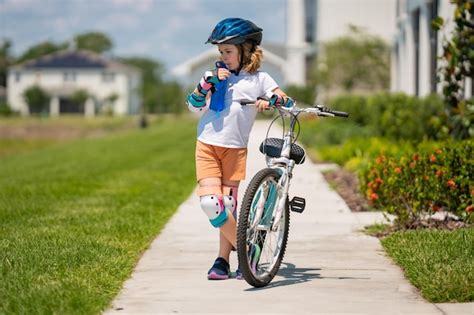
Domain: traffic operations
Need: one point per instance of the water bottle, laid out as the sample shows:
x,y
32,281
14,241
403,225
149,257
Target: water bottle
x,y
218,97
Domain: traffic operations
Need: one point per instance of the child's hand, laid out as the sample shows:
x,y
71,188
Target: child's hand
x,y
223,73
262,105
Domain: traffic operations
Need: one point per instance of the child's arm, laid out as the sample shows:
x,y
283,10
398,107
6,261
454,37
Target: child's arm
x,y
278,98
197,99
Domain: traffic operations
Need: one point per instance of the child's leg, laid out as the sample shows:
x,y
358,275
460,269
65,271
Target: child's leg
x,y
213,186
229,188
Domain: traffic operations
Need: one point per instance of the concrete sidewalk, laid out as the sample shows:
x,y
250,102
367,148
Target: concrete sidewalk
x,y
329,267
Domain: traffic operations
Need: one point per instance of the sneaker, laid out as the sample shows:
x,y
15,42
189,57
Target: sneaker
x,y
220,270
238,274
254,256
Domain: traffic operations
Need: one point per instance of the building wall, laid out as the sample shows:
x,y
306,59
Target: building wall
x,y
334,16
90,80
417,47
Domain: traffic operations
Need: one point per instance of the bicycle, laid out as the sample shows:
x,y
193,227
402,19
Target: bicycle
x,y
264,219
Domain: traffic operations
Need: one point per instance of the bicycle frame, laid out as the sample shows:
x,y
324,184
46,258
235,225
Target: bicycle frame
x,y
285,166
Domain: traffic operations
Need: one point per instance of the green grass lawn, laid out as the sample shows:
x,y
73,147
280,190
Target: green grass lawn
x,y
75,217
438,262
22,134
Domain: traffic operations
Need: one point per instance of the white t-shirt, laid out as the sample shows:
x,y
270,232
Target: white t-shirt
x,y
231,127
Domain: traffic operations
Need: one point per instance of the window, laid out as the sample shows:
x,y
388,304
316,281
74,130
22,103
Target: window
x,y
69,77
108,77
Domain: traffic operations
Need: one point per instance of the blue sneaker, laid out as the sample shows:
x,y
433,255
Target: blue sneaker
x,y
220,270
238,274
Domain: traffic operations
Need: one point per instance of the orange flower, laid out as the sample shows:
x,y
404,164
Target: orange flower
x,y
373,196
451,183
469,208
425,177
379,159
439,173
439,151
416,157
398,170
378,180
432,158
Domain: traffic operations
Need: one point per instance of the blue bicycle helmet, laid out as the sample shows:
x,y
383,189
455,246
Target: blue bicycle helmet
x,y
235,31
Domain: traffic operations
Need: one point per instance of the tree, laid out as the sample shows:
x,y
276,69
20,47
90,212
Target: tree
x,y
94,41
40,50
355,61
36,98
152,72
457,65
5,60
170,98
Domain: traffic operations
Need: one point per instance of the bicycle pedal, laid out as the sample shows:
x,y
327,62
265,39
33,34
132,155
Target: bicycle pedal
x,y
297,204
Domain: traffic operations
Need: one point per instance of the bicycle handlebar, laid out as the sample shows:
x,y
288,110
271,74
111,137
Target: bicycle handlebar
x,y
319,110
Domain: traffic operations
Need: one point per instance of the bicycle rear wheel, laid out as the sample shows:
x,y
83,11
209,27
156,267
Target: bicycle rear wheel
x,y
254,230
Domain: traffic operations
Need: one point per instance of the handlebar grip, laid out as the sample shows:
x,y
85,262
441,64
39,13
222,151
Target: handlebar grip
x,y
247,102
340,114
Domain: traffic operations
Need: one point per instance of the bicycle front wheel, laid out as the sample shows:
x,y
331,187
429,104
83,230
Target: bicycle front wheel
x,y
260,248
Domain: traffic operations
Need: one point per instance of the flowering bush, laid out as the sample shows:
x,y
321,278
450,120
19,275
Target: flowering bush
x,y
419,184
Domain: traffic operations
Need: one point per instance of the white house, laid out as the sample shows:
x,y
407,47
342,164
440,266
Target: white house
x,y
109,84
309,23
417,47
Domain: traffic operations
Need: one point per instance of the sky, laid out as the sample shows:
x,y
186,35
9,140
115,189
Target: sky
x,y
170,31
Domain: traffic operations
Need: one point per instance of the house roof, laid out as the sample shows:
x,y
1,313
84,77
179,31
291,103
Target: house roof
x,y
76,59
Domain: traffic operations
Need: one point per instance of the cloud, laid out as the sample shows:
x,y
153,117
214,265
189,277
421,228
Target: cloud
x,y
8,6
171,31
187,6
138,5
118,21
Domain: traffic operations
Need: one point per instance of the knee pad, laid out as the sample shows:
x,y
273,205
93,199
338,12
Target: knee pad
x,y
231,191
217,208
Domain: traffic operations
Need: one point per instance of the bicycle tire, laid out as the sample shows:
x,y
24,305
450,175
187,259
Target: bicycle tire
x,y
243,226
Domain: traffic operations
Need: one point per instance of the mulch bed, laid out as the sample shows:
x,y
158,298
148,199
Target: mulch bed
x,y
347,186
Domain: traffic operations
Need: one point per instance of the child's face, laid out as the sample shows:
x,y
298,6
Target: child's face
x,y
230,55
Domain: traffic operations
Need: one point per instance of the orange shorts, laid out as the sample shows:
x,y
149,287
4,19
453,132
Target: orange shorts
x,y
213,161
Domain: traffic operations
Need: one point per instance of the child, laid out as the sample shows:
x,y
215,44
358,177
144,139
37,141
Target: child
x,y
224,128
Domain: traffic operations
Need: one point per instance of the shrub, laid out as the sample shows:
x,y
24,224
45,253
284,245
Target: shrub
x,y
302,94
36,98
392,115
323,132
5,110
419,184
355,154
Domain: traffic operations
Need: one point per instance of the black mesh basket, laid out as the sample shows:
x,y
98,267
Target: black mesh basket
x,y
272,147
